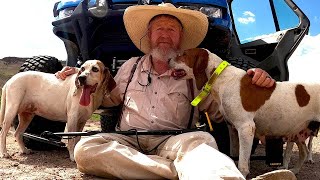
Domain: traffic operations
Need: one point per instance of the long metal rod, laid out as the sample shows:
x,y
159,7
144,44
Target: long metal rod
x,y
130,132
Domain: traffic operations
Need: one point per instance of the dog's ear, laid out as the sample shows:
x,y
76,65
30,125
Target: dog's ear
x,y
77,84
109,82
199,68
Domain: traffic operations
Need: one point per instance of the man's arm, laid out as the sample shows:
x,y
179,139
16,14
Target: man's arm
x,y
66,71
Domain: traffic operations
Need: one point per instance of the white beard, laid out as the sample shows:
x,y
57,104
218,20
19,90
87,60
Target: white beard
x,y
163,55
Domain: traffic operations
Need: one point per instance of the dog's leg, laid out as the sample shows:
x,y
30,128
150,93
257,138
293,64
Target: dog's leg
x,y
79,128
309,158
246,134
72,142
287,154
24,121
302,156
6,124
3,135
73,125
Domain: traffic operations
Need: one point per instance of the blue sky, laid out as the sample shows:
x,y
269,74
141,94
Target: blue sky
x,y
256,22
311,9
251,22
26,31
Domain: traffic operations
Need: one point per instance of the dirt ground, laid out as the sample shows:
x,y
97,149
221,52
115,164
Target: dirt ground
x,y
55,164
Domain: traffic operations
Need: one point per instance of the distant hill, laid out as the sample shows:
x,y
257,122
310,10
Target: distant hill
x,y
13,60
9,66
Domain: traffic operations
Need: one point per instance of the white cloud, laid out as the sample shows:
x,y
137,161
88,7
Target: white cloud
x,y
248,13
247,17
27,30
304,64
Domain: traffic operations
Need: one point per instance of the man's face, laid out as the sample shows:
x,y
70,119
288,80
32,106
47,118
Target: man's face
x,y
165,34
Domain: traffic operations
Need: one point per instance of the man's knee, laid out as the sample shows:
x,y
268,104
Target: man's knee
x,y
201,137
82,151
209,139
88,147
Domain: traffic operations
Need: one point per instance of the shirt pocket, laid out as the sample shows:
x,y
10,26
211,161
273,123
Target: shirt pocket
x,y
135,97
179,106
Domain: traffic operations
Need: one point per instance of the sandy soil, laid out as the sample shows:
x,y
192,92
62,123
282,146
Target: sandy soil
x,y
55,164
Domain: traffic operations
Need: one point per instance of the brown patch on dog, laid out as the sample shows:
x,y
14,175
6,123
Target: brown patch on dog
x,y
302,95
111,84
107,79
197,59
253,96
199,69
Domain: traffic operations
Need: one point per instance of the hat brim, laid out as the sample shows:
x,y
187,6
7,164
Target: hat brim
x,y
136,20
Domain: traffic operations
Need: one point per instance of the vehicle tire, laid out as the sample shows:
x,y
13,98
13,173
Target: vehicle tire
x,y
39,124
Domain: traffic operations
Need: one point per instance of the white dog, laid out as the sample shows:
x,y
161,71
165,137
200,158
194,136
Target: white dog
x,y
72,100
282,110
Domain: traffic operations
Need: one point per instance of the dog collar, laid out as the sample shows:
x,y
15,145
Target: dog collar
x,y
206,89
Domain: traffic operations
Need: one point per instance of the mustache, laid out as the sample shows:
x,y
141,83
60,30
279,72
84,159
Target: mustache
x,y
164,54
164,40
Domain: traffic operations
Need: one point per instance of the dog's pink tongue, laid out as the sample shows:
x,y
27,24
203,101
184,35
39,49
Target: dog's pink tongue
x,y
85,96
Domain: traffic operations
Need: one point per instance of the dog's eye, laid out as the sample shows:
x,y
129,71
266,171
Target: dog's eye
x,y
83,69
95,69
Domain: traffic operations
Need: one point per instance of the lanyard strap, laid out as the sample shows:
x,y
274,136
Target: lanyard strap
x,y
134,67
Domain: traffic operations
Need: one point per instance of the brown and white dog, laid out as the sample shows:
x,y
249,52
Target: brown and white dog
x,y
72,100
282,110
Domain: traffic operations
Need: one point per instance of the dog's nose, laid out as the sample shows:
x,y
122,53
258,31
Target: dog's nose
x,y
82,79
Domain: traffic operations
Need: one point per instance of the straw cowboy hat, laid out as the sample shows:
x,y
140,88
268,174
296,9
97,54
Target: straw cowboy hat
x,y
136,20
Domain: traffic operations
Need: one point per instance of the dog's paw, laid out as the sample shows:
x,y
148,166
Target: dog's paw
x,y
72,159
294,170
26,151
282,167
244,171
310,161
4,155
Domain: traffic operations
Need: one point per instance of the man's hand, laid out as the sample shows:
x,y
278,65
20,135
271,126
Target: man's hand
x,y
65,72
260,77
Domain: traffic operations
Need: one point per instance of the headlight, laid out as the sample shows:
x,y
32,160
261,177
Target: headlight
x,y
209,11
65,13
98,8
